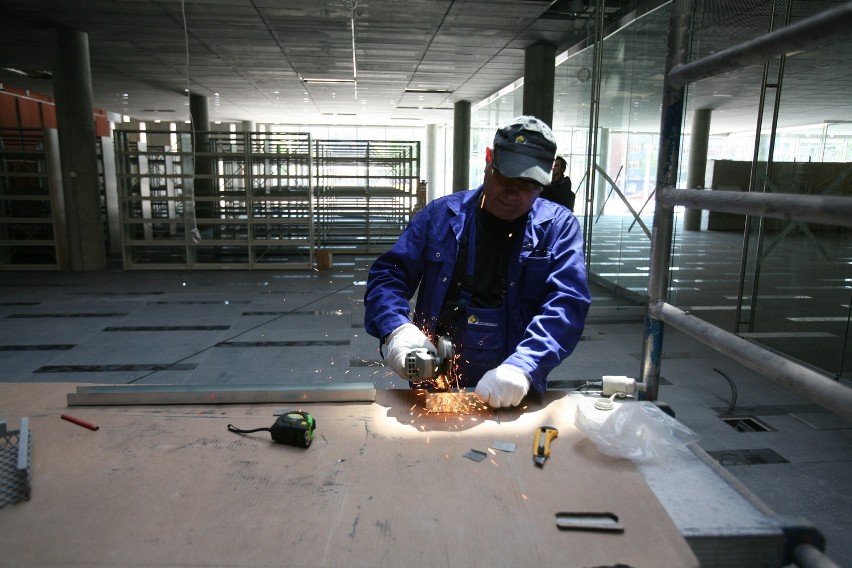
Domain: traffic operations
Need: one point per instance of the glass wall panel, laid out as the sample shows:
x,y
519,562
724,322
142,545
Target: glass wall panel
x,y
625,163
802,283
785,285
782,128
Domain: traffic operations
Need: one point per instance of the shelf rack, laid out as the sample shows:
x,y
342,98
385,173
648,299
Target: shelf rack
x,y
366,192
238,200
31,212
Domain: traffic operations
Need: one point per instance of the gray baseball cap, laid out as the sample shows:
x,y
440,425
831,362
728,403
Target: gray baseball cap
x,y
524,147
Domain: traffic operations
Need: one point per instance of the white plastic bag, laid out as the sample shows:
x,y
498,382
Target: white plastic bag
x,y
638,431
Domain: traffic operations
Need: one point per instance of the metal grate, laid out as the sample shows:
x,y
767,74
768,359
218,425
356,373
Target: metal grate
x,y
16,463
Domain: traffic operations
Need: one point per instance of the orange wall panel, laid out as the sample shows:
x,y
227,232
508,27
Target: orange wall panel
x,y
30,113
8,110
48,115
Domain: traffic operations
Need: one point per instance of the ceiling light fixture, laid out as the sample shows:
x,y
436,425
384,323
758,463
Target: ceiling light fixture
x,y
430,91
319,81
30,73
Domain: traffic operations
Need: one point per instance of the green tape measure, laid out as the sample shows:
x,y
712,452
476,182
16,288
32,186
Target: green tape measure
x,y
292,427
295,428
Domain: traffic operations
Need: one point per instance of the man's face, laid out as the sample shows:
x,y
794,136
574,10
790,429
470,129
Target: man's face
x,y
558,169
508,198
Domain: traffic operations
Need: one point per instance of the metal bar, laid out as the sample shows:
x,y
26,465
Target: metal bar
x,y
802,380
824,209
809,556
817,30
752,187
671,120
614,187
24,445
220,394
592,142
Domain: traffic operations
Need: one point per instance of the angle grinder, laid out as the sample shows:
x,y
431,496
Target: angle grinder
x,y
425,365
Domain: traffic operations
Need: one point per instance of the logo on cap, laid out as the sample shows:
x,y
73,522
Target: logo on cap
x,y
520,139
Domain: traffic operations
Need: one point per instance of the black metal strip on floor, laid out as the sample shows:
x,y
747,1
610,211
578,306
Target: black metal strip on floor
x,y
71,315
116,368
758,456
773,409
46,347
318,343
107,293
13,304
300,313
200,302
168,328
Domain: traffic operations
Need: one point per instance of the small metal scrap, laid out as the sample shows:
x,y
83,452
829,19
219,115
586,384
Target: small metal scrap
x,y
589,522
504,446
475,455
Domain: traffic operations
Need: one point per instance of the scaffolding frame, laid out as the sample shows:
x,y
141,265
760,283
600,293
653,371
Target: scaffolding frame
x,y
831,25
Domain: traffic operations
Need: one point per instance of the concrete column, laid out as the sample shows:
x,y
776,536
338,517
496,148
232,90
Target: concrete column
x,y
461,146
539,80
72,89
203,183
248,126
699,139
431,162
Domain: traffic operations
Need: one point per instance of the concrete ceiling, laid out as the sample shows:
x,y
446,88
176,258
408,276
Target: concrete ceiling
x,y
291,61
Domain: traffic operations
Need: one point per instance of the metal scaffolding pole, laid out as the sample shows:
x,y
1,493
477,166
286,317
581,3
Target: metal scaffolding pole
x,y
817,30
804,381
677,53
829,210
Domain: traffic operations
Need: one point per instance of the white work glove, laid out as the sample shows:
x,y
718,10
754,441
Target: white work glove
x,y
400,343
504,386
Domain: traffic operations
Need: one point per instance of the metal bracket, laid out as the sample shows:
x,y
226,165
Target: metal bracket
x,y
15,463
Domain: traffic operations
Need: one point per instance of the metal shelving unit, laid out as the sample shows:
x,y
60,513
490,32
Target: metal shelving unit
x,y
31,214
366,191
243,200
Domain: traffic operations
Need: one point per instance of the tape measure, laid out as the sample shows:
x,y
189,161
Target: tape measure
x,y
293,427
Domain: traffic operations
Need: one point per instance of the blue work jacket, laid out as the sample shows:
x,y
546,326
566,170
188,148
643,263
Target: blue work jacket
x,y
547,296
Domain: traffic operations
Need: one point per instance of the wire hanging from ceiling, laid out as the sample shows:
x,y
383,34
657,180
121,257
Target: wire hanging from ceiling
x,y
352,5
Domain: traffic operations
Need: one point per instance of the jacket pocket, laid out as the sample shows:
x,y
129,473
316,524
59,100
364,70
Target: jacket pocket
x,y
534,274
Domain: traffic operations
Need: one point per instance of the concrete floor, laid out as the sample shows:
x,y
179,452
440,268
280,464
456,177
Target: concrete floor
x,y
306,327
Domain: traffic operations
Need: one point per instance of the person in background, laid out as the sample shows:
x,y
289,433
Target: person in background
x,y
559,190
499,272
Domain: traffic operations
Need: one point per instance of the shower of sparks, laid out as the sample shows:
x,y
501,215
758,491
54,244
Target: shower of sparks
x,y
454,402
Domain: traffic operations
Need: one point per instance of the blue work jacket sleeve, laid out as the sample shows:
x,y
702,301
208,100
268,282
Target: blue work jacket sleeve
x,y
555,302
394,277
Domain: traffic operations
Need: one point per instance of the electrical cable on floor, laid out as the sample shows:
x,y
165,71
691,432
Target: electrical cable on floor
x,y
276,318
733,403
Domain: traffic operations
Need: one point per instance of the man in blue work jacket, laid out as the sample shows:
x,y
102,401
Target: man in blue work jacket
x,y
500,272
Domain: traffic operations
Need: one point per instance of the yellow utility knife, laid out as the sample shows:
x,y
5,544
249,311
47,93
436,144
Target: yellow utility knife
x,y
541,447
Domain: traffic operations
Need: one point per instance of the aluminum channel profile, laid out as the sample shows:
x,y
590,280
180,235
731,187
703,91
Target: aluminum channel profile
x,y
115,395
16,463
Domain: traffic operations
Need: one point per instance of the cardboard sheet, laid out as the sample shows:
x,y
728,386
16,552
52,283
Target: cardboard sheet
x,y
383,484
